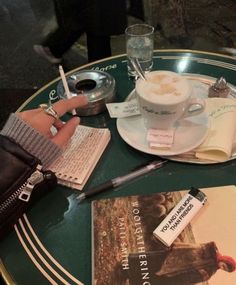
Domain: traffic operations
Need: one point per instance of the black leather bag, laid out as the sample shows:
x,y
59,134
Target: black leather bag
x,y
22,182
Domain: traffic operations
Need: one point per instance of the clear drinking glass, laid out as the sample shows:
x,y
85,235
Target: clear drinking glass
x,y
139,44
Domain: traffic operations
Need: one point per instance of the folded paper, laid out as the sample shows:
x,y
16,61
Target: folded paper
x,y
219,142
123,109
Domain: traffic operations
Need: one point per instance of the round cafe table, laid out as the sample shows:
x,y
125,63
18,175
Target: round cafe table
x,y
51,244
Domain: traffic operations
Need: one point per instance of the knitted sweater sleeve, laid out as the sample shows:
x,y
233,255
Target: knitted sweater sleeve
x,y
31,140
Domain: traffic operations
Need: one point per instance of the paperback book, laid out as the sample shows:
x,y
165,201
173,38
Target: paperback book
x,y
126,252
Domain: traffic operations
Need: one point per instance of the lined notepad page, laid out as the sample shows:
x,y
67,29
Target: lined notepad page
x,y
80,156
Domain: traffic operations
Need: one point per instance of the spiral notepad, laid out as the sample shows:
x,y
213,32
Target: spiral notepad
x,y
80,156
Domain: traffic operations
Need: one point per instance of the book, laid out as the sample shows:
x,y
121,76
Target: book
x,y
126,252
80,156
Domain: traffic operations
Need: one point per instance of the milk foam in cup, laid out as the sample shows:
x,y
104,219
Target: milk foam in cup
x,y
164,98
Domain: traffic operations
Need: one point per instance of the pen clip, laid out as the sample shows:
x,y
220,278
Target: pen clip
x,y
148,163
160,163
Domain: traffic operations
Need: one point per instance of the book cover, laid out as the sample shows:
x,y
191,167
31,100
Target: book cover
x,y
125,250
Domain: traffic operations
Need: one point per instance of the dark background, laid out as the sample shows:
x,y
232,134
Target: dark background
x,y
204,25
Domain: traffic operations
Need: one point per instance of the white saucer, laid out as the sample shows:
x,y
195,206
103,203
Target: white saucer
x,y
189,134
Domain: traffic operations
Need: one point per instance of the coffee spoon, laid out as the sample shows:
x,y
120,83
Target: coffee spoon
x,y
136,65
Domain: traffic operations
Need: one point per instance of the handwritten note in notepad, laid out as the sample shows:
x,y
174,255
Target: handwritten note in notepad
x,y
80,156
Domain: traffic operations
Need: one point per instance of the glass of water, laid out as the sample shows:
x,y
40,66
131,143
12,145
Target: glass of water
x,y
139,44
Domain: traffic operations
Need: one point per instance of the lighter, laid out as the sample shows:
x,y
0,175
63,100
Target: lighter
x,y
179,217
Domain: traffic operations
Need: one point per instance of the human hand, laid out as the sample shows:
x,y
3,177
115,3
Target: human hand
x,y
43,122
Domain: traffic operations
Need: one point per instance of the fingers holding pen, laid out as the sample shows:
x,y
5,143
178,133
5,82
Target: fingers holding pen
x,y
65,132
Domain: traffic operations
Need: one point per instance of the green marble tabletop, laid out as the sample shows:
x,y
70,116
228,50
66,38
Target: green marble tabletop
x,y
51,244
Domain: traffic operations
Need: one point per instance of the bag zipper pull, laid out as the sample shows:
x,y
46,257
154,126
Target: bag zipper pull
x,y
35,178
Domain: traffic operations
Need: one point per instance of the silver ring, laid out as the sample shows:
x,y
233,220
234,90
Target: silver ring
x,y
48,109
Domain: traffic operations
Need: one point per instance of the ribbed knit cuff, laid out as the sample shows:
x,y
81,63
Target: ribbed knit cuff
x,y
31,140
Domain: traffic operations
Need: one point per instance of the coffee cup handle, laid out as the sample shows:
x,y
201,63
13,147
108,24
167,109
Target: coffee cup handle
x,y
195,107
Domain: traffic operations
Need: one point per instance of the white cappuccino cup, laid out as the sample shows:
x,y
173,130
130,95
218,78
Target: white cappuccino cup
x,y
165,98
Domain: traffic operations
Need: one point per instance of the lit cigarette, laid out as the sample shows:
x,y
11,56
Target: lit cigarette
x,y
64,81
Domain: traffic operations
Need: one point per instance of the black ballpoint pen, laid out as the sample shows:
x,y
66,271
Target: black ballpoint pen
x,y
115,182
